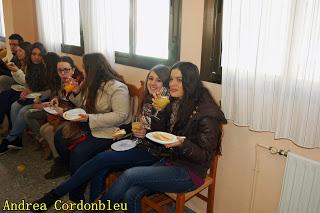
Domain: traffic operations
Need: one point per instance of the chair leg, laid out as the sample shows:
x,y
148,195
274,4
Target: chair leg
x,y
180,203
210,200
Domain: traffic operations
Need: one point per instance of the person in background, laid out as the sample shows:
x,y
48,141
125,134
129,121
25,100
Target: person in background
x,y
35,82
61,71
193,114
99,166
36,114
9,96
106,100
5,75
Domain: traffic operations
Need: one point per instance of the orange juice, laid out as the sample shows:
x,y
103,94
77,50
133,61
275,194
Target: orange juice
x,y
136,126
69,87
162,102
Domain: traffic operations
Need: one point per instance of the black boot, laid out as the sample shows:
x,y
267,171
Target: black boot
x,y
49,199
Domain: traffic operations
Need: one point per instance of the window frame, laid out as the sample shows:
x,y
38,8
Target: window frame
x,y
67,48
146,62
211,69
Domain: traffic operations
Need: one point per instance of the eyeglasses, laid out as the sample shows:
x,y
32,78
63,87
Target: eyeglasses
x,y
64,70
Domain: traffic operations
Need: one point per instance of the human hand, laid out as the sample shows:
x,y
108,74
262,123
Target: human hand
x,y
25,93
179,142
12,67
54,102
139,133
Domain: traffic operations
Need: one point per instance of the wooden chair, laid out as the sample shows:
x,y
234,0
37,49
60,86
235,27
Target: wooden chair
x,y
135,94
156,201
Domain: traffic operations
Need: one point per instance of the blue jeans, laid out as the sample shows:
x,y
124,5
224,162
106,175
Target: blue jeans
x,y
97,168
17,119
81,154
136,182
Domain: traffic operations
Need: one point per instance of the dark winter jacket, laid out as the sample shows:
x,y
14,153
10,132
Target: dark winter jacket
x,y
203,132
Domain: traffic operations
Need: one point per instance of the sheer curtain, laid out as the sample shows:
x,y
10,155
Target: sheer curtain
x,y
97,27
95,20
271,68
49,24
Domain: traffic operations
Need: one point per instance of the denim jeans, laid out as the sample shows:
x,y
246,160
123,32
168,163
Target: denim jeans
x,y
17,119
136,182
81,154
97,168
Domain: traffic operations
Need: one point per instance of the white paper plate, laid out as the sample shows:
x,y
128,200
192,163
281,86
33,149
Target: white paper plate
x,y
33,95
17,87
51,110
123,145
73,114
167,137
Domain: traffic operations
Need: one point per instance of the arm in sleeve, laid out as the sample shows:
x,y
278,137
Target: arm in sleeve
x,y
207,142
45,94
19,77
120,104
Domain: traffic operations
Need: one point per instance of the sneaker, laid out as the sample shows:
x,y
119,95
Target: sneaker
x,y
49,199
16,144
4,146
58,169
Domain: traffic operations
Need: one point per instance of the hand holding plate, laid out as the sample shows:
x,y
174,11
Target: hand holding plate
x,y
179,141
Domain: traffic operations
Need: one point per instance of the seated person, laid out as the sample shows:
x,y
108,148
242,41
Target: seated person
x,y
106,101
5,75
193,114
104,162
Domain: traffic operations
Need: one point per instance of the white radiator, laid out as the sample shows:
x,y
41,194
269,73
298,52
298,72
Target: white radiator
x,y
301,186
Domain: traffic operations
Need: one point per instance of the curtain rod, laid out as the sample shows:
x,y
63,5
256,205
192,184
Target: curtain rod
x,y
273,150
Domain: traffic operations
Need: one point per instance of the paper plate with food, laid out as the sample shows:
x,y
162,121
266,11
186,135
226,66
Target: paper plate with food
x,y
162,137
123,145
73,114
17,87
54,110
33,95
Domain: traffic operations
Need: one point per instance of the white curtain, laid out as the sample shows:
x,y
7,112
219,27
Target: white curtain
x,y
95,20
97,27
49,24
271,68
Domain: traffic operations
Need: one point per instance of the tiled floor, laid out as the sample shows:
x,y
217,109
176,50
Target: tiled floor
x,y
29,185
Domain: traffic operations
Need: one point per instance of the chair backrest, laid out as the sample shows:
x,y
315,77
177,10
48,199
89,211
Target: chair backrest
x,y
156,201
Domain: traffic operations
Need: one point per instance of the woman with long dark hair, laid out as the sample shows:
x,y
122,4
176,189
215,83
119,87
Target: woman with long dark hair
x,y
105,98
35,79
99,166
192,113
7,97
62,70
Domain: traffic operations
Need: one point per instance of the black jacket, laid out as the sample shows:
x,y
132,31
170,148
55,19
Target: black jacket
x,y
203,132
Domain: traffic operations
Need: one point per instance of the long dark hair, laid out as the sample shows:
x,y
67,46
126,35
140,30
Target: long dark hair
x,y
26,46
53,79
98,72
162,71
36,73
192,89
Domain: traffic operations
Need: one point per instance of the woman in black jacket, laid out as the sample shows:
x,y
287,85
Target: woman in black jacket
x,y
192,114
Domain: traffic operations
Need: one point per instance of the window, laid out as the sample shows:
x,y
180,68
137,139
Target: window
x,y
2,30
72,41
147,32
211,42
